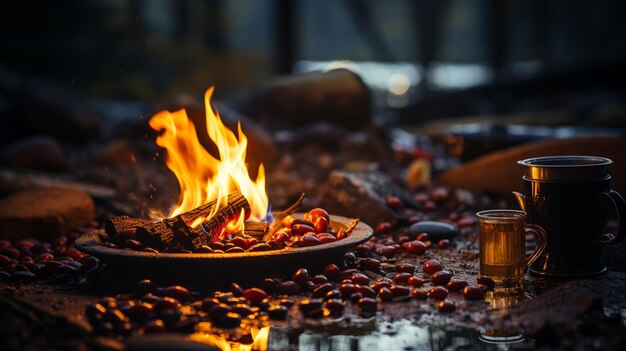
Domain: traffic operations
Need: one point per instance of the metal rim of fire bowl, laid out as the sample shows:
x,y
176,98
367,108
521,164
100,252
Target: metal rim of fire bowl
x,y
93,244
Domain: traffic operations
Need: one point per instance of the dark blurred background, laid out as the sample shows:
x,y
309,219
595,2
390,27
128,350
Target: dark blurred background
x,y
551,63
152,49
414,87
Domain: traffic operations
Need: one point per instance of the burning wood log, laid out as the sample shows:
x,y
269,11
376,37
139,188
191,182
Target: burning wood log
x,y
115,225
156,235
179,228
256,229
194,238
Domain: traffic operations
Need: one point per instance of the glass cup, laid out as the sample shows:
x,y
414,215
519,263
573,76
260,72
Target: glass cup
x,y
502,235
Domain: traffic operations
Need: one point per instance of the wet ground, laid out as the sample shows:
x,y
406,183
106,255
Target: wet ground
x,y
550,314
583,314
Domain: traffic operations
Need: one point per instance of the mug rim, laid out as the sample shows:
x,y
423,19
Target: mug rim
x,y
566,168
506,215
592,161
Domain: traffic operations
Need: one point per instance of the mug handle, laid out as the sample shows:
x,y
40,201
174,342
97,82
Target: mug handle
x,y
620,206
540,233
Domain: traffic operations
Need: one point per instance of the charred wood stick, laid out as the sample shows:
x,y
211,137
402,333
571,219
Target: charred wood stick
x,y
115,225
256,229
278,216
190,237
291,209
156,235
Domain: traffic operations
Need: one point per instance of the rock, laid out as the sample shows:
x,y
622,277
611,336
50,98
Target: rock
x,y
44,213
436,230
14,181
577,308
40,153
323,134
364,146
167,342
116,153
363,195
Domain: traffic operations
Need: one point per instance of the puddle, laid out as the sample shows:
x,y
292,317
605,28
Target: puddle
x,y
613,310
427,331
423,334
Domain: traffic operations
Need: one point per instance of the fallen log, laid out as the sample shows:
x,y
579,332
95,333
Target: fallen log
x,y
338,96
498,172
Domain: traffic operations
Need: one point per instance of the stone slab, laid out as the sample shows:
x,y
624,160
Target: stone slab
x,y
43,213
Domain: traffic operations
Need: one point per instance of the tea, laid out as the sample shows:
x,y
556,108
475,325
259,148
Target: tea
x,y
502,250
502,235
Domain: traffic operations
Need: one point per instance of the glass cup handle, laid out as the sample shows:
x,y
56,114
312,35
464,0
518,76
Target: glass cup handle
x,y
540,233
620,205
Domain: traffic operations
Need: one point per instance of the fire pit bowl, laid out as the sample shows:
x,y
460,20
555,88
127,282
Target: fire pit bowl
x,y
195,267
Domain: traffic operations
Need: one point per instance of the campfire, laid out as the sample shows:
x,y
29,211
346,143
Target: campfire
x,y
221,209
205,179
223,212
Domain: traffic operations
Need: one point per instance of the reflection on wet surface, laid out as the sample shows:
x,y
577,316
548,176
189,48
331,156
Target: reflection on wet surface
x,y
500,300
497,323
426,333
613,310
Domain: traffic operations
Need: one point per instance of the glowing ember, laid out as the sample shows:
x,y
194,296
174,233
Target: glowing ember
x,y
202,177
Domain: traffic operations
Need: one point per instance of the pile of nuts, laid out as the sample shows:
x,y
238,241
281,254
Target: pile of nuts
x,y
380,271
327,294
30,259
314,229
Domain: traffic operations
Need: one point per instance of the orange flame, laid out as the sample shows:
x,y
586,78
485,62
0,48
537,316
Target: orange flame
x,y
260,337
202,177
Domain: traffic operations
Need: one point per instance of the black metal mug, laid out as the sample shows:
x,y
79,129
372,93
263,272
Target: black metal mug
x,y
567,196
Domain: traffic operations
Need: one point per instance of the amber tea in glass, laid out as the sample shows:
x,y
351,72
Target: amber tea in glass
x,y
503,244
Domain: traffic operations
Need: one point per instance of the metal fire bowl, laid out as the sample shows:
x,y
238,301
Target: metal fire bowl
x,y
194,267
